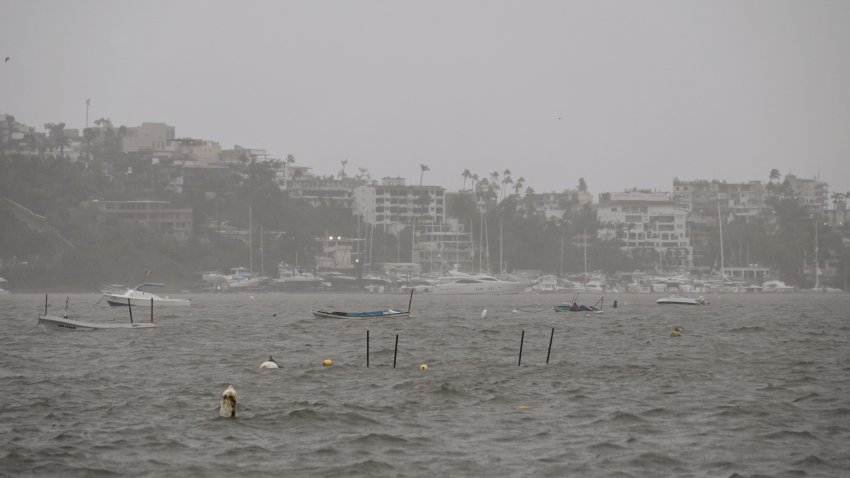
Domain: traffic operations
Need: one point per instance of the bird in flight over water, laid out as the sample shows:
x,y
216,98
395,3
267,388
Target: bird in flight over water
x,y
7,60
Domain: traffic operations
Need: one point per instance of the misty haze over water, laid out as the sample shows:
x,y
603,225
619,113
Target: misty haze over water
x,y
346,153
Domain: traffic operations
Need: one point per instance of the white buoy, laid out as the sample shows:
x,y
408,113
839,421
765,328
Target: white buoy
x,y
270,363
228,403
484,314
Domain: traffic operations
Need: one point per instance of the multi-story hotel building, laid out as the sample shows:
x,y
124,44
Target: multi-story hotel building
x,y
394,203
650,224
157,215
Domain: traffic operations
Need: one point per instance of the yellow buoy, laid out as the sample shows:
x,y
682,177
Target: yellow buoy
x,y
328,362
424,366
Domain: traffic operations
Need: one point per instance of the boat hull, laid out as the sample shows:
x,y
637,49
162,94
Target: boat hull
x,y
568,308
480,288
119,300
678,302
71,325
321,314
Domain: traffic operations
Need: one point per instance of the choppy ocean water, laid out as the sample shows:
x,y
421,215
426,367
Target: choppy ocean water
x,y
758,385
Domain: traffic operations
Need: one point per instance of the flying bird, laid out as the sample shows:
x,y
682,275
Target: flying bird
x,y
7,59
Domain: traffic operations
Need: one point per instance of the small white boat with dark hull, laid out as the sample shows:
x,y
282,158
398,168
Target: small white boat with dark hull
x,y
63,323
383,312
140,297
679,300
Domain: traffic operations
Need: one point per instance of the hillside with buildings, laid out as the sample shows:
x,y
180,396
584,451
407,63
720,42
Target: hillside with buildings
x,y
81,208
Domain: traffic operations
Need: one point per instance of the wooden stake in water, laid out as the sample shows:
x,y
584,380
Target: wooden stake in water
x,y
521,340
151,309
130,308
45,304
395,352
367,348
411,300
551,336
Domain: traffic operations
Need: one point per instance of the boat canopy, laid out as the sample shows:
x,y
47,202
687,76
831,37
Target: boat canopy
x,y
149,284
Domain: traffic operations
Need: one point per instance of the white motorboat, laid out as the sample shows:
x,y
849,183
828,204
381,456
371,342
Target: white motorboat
x,y
295,279
140,297
775,286
459,283
679,300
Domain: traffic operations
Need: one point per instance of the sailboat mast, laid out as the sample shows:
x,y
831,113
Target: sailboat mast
x,y
585,257
561,270
720,225
501,263
817,268
262,252
250,240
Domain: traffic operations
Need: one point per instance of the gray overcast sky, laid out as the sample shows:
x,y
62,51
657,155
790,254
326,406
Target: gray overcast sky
x,y
645,90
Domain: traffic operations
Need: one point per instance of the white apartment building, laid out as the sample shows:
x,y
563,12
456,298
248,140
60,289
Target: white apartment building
x,y
394,203
810,192
554,205
650,224
200,151
147,137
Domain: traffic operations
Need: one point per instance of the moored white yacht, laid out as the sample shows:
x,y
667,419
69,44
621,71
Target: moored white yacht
x,y
140,297
459,283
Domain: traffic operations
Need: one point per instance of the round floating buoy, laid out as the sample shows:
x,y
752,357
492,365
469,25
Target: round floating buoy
x,y
328,362
274,315
424,366
270,363
484,314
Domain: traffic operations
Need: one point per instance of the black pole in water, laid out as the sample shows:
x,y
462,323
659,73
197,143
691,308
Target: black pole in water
x,y
45,304
367,348
395,352
151,309
411,300
551,336
521,340
130,307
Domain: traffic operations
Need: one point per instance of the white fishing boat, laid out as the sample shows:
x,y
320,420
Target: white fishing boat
x,y
140,297
459,283
680,300
63,323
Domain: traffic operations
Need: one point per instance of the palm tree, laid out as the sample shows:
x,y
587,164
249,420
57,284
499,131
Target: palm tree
x,y
342,171
774,175
422,168
774,180
582,185
475,179
466,175
518,185
56,137
505,181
